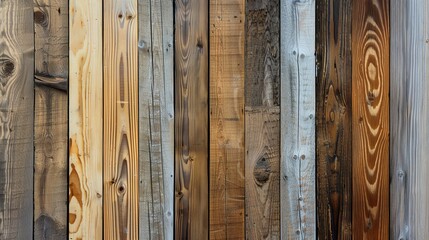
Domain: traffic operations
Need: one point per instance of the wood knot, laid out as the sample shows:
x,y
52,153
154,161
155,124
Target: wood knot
x,y
262,170
41,18
7,68
121,189
199,43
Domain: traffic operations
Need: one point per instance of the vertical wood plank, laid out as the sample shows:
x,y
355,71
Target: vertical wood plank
x,y
85,120
16,119
156,119
262,173
297,43
120,122
333,119
370,120
409,114
227,35
191,121
262,119
51,118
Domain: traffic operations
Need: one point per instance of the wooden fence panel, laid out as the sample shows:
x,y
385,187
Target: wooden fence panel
x,y
16,119
156,119
262,119
409,115
370,119
191,121
227,19
120,122
333,119
298,173
51,119
85,120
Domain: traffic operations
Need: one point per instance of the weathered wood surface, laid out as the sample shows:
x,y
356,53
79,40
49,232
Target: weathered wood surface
x,y
85,120
262,120
227,35
262,173
120,122
298,173
334,119
51,118
409,114
16,119
156,120
191,119
370,119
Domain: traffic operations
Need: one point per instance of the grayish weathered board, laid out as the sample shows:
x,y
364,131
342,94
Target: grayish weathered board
x,y
409,115
156,119
16,119
297,100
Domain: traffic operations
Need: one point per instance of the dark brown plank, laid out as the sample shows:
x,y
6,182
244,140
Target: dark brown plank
x,y
191,119
370,118
16,119
333,119
51,117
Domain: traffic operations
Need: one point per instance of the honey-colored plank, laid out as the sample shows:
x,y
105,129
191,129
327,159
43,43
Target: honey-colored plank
x,y
156,120
191,119
297,101
227,35
51,118
334,119
120,120
16,119
370,119
262,173
85,120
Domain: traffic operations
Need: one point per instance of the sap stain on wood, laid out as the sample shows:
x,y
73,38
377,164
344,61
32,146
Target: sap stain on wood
x,y
333,125
16,119
370,118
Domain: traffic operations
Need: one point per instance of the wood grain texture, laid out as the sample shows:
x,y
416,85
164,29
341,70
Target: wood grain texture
x,y
85,120
51,118
298,173
262,172
409,114
370,119
191,121
120,100
156,120
227,35
16,119
333,119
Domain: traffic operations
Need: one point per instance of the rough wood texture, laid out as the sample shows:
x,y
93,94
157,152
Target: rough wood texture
x,y
156,119
120,99
333,115
85,120
409,115
370,119
16,119
262,120
51,118
298,173
227,35
262,173
191,122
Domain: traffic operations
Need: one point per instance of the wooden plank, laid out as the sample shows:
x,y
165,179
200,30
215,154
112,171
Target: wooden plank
x,y
370,119
227,35
191,122
298,173
51,119
262,120
262,173
333,119
16,114
121,195
85,120
156,120
409,114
